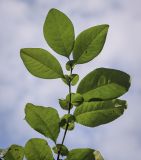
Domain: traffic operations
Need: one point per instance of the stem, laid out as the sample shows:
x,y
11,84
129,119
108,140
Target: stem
x,y
66,129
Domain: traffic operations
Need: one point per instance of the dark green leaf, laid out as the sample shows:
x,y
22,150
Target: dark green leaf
x,y
64,104
93,114
41,63
38,149
45,120
76,98
89,43
64,149
59,32
74,79
104,84
70,64
69,120
15,152
98,155
81,154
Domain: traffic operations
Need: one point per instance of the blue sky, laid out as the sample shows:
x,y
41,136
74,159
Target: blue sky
x,y
21,26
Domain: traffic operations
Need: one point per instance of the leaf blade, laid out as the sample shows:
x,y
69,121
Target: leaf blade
x,y
59,32
38,149
44,120
93,114
104,84
41,63
15,152
89,43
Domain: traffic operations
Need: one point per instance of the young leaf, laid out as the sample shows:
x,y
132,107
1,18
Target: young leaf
x,y
89,43
93,114
59,32
64,149
76,99
98,155
74,79
81,154
66,79
67,119
64,104
45,120
38,149
41,63
70,64
15,152
104,84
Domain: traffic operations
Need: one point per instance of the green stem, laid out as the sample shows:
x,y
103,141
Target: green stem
x,y
66,129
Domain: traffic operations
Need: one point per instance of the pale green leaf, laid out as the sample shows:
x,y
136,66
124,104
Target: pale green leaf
x,y
64,149
59,32
64,104
93,114
81,154
89,43
76,99
70,64
74,79
45,120
38,149
104,84
14,152
41,63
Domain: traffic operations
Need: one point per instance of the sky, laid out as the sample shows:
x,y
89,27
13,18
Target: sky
x,y
21,26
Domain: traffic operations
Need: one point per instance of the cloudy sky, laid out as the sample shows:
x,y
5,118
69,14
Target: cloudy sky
x,y
21,23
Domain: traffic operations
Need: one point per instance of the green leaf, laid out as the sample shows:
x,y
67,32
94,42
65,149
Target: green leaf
x,y
70,64
15,152
89,43
98,155
74,79
93,114
76,99
104,84
67,119
45,120
59,32
81,154
41,63
64,104
64,149
38,149
66,79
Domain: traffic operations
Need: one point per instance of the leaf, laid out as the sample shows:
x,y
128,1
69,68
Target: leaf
x,y
76,98
74,79
89,43
64,149
15,152
66,79
64,104
93,114
59,32
81,154
104,84
45,120
98,155
67,119
41,63
38,149
70,64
